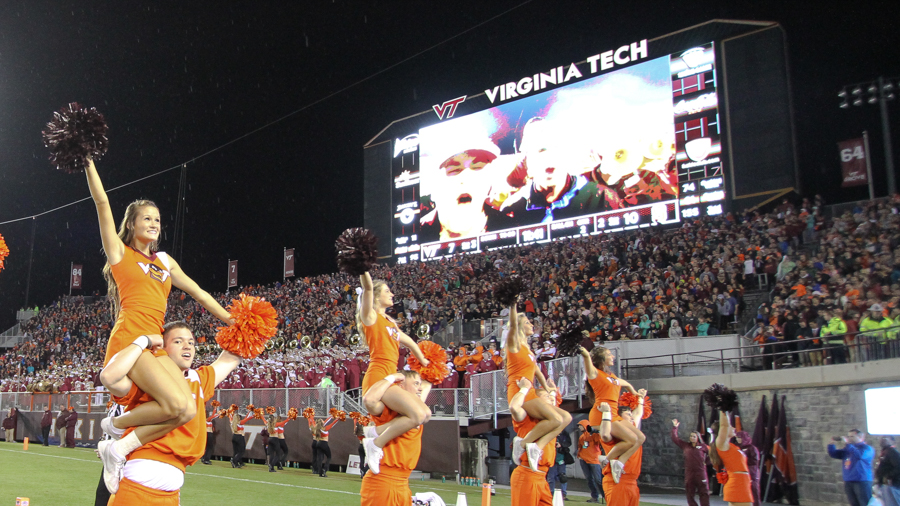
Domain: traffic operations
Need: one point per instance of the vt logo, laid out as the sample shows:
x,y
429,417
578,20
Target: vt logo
x,y
448,108
154,272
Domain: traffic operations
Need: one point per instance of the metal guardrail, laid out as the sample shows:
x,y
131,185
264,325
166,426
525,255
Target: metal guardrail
x,y
857,347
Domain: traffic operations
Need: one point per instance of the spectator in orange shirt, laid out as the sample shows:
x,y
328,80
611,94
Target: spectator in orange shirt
x,y
592,459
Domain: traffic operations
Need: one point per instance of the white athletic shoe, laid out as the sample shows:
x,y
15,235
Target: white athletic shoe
x,y
113,465
616,468
534,455
107,425
517,450
373,455
370,431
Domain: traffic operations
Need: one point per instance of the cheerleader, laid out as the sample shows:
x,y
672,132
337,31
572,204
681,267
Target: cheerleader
x,y
521,363
282,446
238,443
606,386
383,337
210,437
273,447
139,278
725,453
322,455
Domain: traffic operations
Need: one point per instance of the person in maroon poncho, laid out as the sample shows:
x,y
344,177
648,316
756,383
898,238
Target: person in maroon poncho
x,y
71,421
744,441
695,455
46,422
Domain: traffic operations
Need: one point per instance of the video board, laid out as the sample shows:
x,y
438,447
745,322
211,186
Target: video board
x,y
630,148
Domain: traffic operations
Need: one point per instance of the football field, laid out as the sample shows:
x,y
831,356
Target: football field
x,y
53,475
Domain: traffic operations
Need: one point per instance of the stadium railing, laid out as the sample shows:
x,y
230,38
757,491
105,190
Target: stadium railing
x,y
857,347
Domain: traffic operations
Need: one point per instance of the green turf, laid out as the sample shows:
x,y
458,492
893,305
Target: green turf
x,y
53,475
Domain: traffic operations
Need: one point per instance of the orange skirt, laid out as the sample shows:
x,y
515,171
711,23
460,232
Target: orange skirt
x,y
738,488
595,416
512,389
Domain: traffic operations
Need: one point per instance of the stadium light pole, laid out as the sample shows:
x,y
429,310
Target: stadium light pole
x,y
880,90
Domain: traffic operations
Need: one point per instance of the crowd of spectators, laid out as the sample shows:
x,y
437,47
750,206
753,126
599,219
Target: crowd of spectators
x,y
641,284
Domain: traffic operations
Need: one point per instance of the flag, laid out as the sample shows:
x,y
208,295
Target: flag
x,y
772,492
783,458
701,420
759,430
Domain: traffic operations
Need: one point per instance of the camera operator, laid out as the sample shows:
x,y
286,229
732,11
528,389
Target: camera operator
x,y
857,468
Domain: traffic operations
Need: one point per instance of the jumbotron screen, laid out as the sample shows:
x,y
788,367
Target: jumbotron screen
x,y
631,148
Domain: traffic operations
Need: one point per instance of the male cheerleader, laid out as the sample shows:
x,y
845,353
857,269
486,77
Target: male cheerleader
x,y
528,487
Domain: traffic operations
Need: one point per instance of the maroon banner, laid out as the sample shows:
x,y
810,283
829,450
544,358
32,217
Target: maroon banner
x,y
75,277
289,263
232,273
853,162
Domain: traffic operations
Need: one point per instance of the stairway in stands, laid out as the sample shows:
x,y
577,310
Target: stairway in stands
x,y
752,299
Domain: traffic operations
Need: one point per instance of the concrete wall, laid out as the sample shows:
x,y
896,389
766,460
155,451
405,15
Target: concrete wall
x,y
821,402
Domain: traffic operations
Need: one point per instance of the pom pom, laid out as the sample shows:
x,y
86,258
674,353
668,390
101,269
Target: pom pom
x,y
569,342
255,322
215,403
270,410
354,415
720,397
508,289
364,421
223,413
633,401
4,251
437,370
74,134
109,404
250,407
232,409
309,413
259,413
357,251
292,414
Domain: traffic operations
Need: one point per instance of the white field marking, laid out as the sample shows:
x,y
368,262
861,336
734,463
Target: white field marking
x,y
195,474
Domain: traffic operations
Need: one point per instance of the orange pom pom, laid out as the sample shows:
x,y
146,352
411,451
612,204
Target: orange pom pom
x,y
215,403
309,413
259,414
341,416
250,407
255,322
364,421
270,410
437,370
223,413
292,414
333,412
632,401
232,409
4,251
354,415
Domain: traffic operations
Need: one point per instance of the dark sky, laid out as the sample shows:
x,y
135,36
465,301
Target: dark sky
x,y
176,80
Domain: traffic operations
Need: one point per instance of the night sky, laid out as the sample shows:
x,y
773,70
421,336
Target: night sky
x,y
269,104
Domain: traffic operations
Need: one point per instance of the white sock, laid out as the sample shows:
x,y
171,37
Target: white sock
x,y
126,445
115,430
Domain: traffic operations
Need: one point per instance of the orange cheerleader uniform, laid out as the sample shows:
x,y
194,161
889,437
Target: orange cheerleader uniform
x,y
626,492
519,365
144,284
606,389
390,487
738,487
527,487
384,350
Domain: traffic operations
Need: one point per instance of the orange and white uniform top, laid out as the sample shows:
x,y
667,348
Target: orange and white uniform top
x,y
144,284
240,426
279,429
209,422
738,487
606,389
185,445
329,423
384,350
521,364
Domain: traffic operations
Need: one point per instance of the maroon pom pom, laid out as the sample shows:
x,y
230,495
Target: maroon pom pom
x,y
569,342
357,251
507,290
74,134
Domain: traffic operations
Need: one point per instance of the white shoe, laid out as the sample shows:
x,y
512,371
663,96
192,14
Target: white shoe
x,y
616,468
517,450
113,465
373,455
107,425
534,455
370,431
603,461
